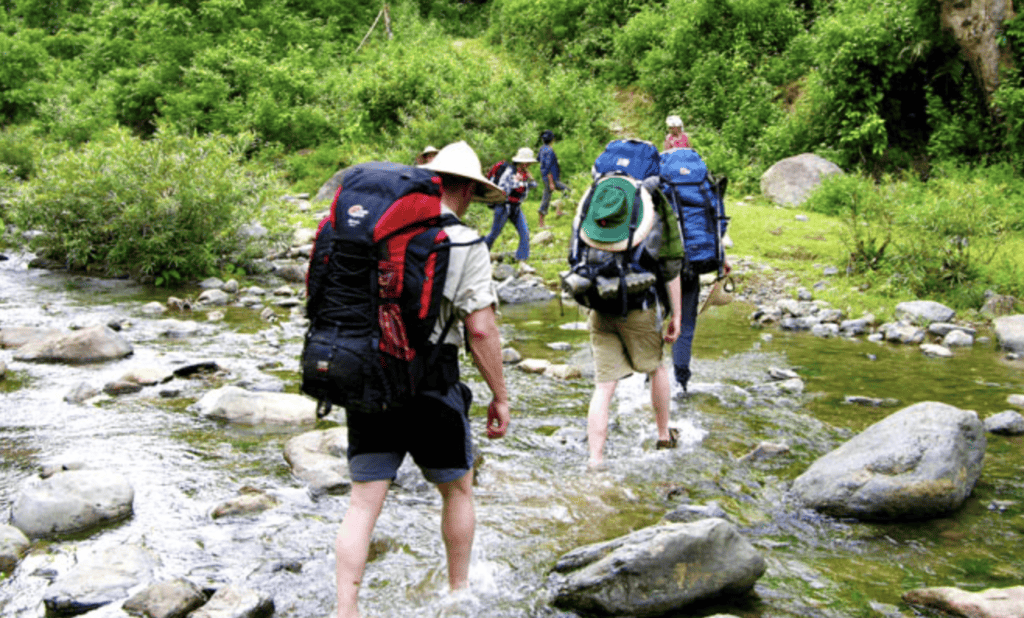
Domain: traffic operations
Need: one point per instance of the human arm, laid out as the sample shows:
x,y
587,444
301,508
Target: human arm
x,y
485,347
675,299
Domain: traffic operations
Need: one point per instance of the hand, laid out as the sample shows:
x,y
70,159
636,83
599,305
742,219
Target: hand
x,y
674,326
726,267
498,418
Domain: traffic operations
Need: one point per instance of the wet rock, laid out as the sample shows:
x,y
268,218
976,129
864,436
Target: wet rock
x,y
510,356
924,312
902,332
941,329
242,407
13,545
991,603
153,308
853,328
789,181
685,513
1010,333
317,458
936,351
250,501
1008,423
99,580
95,344
71,501
211,283
179,304
120,387
765,450
658,570
236,602
919,462
230,286
523,290
147,375
215,297
177,329
825,331
501,272
958,338
563,372
294,272
998,305
534,365
169,599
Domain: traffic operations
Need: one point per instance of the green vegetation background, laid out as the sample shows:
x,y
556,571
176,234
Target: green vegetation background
x,y
149,139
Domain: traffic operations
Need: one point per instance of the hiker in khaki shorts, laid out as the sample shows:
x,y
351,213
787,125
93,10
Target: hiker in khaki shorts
x,y
632,343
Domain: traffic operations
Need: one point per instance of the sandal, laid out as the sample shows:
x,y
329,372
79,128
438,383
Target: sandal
x,y
673,439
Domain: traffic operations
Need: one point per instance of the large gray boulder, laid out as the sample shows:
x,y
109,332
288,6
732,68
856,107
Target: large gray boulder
x,y
71,501
659,569
1010,333
318,459
95,344
239,406
519,290
17,336
791,180
919,462
99,580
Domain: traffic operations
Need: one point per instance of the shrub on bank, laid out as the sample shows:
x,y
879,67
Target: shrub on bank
x,y
170,208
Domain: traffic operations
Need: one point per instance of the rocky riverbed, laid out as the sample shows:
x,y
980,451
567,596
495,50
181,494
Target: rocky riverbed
x,y
158,460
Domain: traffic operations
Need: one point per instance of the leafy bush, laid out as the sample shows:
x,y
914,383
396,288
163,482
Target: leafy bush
x,y
17,153
169,208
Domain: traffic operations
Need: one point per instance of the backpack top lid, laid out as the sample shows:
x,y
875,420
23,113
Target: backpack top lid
x,y
632,157
616,205
682,166
379,199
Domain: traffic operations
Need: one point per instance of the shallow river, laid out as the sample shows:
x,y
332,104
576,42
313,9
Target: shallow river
x,y
535,499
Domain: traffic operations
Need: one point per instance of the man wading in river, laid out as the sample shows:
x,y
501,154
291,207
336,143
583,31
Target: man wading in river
x,y
434,427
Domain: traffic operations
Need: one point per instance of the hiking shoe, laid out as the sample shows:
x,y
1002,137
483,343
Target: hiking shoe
x,y
607,287
673,439
574,283
639,282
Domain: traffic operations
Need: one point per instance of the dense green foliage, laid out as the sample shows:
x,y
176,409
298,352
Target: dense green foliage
x,y
308,88
167,209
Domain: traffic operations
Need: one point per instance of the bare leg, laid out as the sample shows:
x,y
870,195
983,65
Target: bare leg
x,y
458,522
661,399
597,421
352,545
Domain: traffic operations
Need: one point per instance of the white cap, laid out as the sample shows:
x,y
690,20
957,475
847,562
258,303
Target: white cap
x,y
525,155
459,159
674,121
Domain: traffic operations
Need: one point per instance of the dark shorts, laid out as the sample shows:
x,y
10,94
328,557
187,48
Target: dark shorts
x,y
433,428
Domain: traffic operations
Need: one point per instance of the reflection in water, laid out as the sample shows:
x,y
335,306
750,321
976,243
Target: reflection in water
x,y
535,499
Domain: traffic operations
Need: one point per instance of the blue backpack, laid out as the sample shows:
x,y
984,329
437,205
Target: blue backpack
x,y
634,158
697,198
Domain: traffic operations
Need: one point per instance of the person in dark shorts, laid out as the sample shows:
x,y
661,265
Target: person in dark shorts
x,y
434,428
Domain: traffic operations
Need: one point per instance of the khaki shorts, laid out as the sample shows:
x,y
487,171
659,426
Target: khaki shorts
x,y
625,345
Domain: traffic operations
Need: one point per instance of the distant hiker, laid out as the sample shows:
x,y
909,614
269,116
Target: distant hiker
x,y
549,176
516,182
675,138
434,425
426,155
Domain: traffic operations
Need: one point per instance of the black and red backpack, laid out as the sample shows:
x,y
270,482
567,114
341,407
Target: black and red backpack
x,y
376,274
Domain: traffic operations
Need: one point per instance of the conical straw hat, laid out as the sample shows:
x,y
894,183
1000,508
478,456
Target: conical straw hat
x,y
719,294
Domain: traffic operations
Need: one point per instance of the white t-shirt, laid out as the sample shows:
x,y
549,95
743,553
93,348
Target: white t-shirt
x,y
468,286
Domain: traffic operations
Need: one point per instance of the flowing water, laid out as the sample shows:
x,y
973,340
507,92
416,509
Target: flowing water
x,y
534,498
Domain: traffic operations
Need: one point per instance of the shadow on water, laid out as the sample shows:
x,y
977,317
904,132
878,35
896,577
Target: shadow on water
x,y
535,499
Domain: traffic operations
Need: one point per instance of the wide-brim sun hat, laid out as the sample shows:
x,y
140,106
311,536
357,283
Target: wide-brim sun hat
x,y
459,159
524,155
428,150
674,121
719,294
607,221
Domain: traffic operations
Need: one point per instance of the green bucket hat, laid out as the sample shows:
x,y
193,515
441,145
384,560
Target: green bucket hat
x,y
606,225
